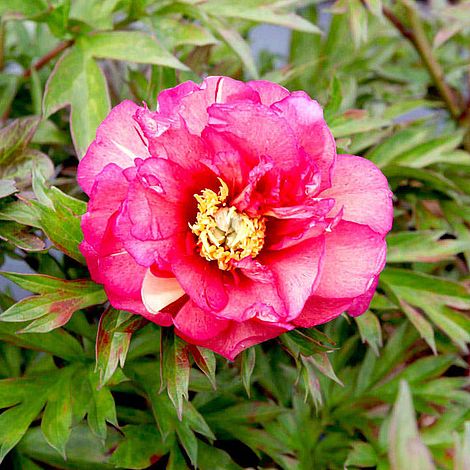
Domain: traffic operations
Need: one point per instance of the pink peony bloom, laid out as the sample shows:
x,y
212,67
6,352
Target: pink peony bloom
x,y
228,214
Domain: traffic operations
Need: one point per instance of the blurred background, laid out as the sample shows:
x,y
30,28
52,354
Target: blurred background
x,y
387,390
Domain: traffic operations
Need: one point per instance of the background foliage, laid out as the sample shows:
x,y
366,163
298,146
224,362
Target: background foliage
x,y
388,390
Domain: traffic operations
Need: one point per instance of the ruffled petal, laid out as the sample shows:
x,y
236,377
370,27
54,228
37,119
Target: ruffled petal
x,y
118,140
361,190
268,92
354,255
305,117
258,131
232,338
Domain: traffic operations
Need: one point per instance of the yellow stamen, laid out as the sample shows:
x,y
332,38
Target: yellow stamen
x,y
224,234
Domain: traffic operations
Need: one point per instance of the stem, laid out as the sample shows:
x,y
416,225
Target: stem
x,y
2,44
424,49
417,36
45,59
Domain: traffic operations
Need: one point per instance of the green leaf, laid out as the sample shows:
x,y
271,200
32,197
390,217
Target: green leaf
x,y
370,330
132,46
7,187
355,122
362,455
115,330
434,296
15,422
15,137
425,329
236,42
322,363
247,366
265,13
175,369
406,447
57,301
212,458
462,449
141,447
55,210
96,13
311,383
21,237
422,246
101,407
57,418
78,81
205,360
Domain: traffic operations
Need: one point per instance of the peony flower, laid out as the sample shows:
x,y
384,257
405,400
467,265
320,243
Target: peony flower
x,y
228,214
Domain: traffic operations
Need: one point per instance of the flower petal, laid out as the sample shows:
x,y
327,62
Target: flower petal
x,y
305,117
197,324
361,190
297,271
318,310
159,292
227,338
354,255
268,92
118,141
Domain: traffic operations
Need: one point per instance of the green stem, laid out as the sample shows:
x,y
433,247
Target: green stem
x,y
417,36
2,44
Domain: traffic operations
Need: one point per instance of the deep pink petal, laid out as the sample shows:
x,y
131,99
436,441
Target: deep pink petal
x,y
305,117
201,280
319,310
118,141
354,255
232,338
361,190
197,324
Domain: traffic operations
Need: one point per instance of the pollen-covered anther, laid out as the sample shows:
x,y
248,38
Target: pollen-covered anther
x,y
224,234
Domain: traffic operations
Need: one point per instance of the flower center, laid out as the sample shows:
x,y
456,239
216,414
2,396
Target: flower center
x,y
224,234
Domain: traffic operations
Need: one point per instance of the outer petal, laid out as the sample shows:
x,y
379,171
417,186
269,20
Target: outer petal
x,y
159,292
201,280
118,140
319,310
197,324
361,190
268,92
305,117
227,338
354,255
296,270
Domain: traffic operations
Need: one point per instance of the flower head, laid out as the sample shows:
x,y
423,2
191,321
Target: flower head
x,y
228,214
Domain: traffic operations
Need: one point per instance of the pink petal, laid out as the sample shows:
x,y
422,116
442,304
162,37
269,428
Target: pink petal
x,y
227,338
201,280
198,325
361,189
159,292
109,190
268,92
305,117
117,141
319,310
213,90
297,271
354,255
258,131
360,304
